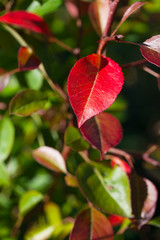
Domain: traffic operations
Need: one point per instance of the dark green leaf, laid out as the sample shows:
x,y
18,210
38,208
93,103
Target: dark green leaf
x,y
155,222
27,102
28,201
106,188
74,139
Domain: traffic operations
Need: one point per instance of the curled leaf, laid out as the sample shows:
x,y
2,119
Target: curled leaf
x,y
27,60
50,158
93,84
151,50
99,13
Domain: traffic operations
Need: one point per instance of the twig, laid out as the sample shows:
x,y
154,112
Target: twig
x,y
134,64
149,159
113,7
80,30
150,71
84,156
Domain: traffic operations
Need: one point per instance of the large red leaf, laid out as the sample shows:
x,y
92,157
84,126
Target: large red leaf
x,y
26,20
27,60
93,84
91,224
102,131
151,51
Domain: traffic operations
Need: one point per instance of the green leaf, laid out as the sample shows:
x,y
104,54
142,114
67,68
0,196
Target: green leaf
x,y
4,178
34,79
46,8
108,189
74,139
28,201
27,102
6,138
155,222
51,208
39,232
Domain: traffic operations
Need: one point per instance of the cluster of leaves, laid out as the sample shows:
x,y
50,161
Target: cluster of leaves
x,y
113,196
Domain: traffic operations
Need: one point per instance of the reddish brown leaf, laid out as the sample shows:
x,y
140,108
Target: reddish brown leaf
x,y
26,20
150,203
27,60
151,52
93,84
91,224
103,131
72,7
99,13
135,6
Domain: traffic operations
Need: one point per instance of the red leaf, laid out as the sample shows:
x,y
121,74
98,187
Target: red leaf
x,y
99,13
91,224
151,52
93,84
26,20
27,60
121,163
116,220
103,131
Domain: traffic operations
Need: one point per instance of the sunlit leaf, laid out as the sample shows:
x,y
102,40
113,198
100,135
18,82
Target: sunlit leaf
x,y
27,102
93,84
50,158
28,201
27,60
99,13
74,140
39,232
71,180
91,224
102,131
6,138
49,209
4,176
47,7
26,20
108,189
151,50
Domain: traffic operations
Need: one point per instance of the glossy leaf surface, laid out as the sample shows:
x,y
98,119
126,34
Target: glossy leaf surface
x,y
27,60
99,13
93,84
102,131
91,224
26,20
151,52
7,134
27,102
50,158
108,189
74,140
28,201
